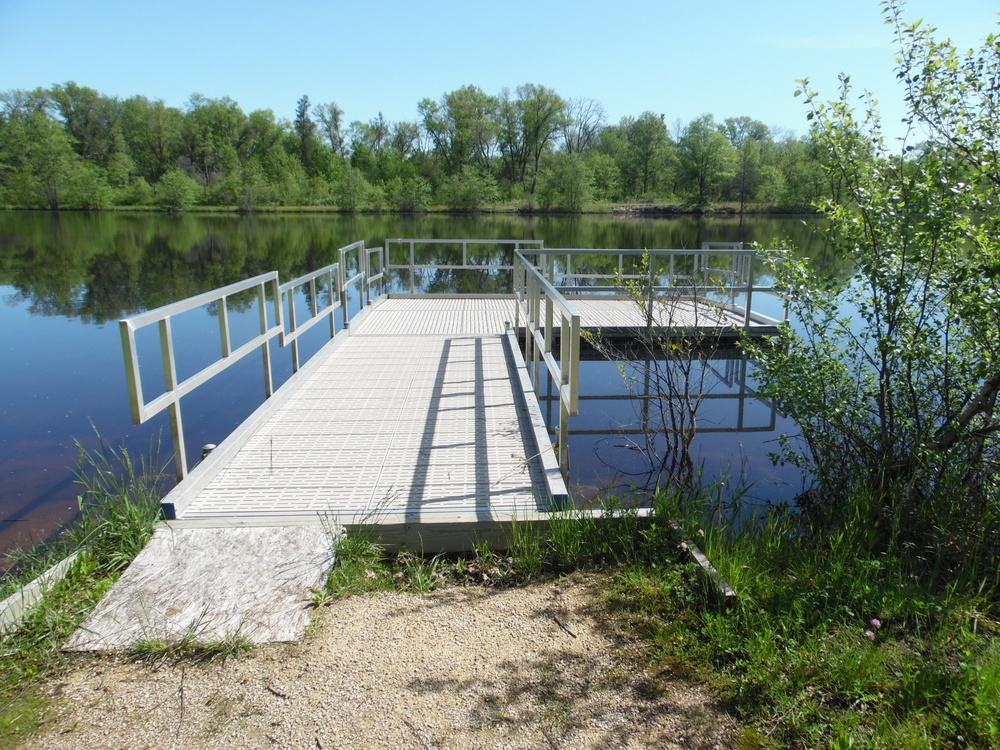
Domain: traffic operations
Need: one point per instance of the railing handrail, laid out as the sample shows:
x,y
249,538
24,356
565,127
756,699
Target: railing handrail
x,y
286,329
735,280
645,251
174,390
413,266
143,319
530,288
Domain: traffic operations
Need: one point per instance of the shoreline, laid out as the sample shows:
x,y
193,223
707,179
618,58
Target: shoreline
x,y
617,210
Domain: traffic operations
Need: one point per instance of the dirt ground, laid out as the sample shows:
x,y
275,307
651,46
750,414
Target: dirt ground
x,y
529,667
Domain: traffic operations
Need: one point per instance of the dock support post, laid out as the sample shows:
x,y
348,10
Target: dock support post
x,y
174,410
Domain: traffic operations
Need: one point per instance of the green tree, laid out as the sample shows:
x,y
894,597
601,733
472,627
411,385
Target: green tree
x,y
176,191
615,176
607,179
461,128
408,195
646,153
39,165
405,138
705,160
527,127
565,184
90,118
897,403
212,132
152,135
372,136
798,175
331,123
305,128
353,192
751,140
585,118
743,130
470,190
543,114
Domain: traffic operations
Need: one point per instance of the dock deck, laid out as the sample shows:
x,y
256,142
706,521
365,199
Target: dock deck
x,y
415,417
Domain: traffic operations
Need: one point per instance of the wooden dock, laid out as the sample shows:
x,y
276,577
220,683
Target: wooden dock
x,y
415,416
418,418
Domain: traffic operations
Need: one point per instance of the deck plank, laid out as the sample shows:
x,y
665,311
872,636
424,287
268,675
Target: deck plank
x,y
624,314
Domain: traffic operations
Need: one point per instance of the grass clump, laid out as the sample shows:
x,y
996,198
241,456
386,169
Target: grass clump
x,y
192,649
569,540
832,641
119,507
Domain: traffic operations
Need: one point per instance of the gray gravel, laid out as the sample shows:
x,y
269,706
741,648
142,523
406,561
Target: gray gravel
x,y
531,667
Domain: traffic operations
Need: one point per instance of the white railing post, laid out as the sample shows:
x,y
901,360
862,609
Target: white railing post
x,y
174,409
291,327
265,346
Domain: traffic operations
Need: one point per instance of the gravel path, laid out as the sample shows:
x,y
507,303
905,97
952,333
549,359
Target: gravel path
x,y
531,667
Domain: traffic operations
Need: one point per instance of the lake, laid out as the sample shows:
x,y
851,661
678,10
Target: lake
x,y
67,278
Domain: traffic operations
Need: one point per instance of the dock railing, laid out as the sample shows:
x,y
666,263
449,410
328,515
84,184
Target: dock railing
x,y
315,282
540,308
170,399
411,258
543,281
358,266
722,271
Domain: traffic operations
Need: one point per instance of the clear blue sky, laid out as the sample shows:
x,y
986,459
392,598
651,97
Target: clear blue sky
x,y
681,58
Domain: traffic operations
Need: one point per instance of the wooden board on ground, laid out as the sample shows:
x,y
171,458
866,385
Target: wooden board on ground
x,y
213,585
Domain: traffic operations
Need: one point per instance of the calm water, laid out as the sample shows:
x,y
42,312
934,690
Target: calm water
x,y
66,279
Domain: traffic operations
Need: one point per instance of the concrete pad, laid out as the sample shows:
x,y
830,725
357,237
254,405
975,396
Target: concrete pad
x,y
213,584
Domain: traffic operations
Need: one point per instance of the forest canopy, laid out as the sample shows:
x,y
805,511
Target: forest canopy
x,y
70,146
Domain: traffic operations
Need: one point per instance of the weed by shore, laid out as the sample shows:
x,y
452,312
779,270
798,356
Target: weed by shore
x,y
828,642
119,506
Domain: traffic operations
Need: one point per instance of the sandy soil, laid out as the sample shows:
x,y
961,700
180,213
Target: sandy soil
x,y
532,667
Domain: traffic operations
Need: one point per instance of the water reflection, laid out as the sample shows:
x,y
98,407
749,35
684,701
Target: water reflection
x,y
99,267
639,427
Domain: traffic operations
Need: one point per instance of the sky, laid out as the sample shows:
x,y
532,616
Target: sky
x,y
678,58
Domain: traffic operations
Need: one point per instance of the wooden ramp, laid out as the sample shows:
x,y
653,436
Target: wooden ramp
x,y
201,586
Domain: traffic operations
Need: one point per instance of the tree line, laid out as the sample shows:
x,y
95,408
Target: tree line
x,y
70,146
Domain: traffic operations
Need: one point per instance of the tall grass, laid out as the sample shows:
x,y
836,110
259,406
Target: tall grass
x,y
119,503
119,507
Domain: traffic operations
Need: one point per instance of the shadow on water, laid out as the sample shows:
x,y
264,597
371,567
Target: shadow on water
x,y
65,280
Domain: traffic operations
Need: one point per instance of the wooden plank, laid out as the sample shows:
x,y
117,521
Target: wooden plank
x,y
15,607
212,585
